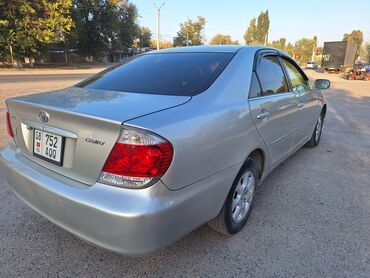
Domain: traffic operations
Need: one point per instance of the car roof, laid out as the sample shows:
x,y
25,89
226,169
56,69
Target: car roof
x,y
209,48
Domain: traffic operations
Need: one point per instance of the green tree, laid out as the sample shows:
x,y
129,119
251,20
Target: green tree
x,y
303,49
289,48
280,44
127,16
222,39
103,26
355,36
192,30
145,36
263,27
257,31
27,26
250,34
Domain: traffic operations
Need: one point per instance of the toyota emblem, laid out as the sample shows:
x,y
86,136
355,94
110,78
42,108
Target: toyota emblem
x,y
44,116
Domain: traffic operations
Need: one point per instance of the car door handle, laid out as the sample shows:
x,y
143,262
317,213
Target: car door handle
x,y
263,115
300,105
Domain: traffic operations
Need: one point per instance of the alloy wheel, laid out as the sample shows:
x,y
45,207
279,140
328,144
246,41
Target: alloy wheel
x,y
243,196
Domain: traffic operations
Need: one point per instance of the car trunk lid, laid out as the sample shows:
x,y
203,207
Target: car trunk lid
x,y
88,120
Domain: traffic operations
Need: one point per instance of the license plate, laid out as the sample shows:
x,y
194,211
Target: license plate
x,y
48,146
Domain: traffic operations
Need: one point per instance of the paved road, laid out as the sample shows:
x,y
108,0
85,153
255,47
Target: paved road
x,y
14,83
311,218
25,78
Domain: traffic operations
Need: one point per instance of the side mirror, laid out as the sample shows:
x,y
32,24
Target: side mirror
x,y
321,84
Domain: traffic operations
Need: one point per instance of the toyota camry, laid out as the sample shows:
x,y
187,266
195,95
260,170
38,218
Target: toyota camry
x,y
137,156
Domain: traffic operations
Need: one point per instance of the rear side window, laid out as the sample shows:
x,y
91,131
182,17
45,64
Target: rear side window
x,y
255,90
271,76
182,74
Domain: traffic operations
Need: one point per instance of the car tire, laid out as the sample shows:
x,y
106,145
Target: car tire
x,y
240,199
316,134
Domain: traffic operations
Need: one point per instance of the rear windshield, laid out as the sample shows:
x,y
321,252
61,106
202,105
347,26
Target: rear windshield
x,y
182,74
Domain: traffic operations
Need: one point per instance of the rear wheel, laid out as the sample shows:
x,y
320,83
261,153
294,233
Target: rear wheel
x,y
316,134
239,202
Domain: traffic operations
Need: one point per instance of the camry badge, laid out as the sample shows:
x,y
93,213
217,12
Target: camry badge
x,y
95,141
44,116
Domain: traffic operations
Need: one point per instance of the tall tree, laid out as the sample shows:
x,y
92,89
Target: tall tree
x,y
250,34
26,26
127,17
103,25
257,32
192,30
144,36
222,39
355,36
263,27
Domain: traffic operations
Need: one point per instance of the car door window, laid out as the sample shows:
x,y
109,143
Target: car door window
x,y
297,80
271,76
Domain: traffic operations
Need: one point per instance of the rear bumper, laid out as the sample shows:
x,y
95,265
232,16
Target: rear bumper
x,y
131,222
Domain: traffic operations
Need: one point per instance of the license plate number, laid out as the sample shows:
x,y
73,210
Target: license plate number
x,y
48,146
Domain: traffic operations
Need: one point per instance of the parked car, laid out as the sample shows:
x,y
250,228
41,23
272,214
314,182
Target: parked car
x,y
139,155
311,65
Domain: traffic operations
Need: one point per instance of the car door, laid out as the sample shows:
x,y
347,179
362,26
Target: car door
x,y
273,107
308,104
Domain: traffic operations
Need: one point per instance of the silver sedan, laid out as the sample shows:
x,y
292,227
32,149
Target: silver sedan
x,y
148,150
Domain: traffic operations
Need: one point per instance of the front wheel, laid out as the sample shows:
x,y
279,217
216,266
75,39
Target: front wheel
x,y
239,202
316,134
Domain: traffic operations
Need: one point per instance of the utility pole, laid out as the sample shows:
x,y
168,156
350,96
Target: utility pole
x,y
267,37
313,52
158,22
187,39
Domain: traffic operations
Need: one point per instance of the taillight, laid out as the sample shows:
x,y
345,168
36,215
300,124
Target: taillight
x,y
138,159
9,125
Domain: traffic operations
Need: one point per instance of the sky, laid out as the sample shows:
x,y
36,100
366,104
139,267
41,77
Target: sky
x,y
327,19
